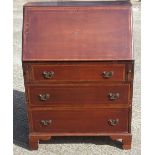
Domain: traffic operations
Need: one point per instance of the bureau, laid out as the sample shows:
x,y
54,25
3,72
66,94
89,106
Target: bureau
x,y
78,69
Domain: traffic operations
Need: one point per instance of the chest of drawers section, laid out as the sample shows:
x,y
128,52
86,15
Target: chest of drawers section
x,y
94,100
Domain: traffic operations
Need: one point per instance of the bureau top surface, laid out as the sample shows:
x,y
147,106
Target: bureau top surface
x,y
73,31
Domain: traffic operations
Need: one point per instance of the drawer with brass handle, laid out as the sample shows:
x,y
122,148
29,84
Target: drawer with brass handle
x,y
55,121
78,72
79,95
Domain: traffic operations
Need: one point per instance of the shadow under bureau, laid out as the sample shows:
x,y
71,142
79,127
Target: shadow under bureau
x,y
78,69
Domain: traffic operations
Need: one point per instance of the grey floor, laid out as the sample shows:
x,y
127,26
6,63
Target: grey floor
x,y
70,145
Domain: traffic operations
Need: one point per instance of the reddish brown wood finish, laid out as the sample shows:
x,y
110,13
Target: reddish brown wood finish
x,y
79,94
78,41
79,72
100,32
80,121
126,140
33,140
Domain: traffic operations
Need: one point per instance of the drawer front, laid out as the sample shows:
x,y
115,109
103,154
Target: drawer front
x,y
79,94
78,72
80,121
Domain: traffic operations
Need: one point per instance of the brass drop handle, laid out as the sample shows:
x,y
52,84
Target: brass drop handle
x,y
113,96
44,97
48,74
107,74
45,122
113,122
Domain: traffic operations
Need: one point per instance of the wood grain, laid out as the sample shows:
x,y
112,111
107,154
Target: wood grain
x,y
80,121
81,94
101,32
78,72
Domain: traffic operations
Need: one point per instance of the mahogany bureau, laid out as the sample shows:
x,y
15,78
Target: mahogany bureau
x,y
78,69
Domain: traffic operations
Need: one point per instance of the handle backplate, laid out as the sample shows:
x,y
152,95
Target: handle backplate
x,y
113,122
45,122
107,74
48,74
113,96
44,97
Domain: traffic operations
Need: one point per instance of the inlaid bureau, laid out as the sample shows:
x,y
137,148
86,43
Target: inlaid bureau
x,y
78,69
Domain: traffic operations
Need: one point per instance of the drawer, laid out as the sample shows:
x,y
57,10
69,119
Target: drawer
x,y
78,72
80,121
76,94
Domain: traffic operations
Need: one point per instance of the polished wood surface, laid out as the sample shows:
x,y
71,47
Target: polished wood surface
x,y
79,94
102,32
77,121
78,70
